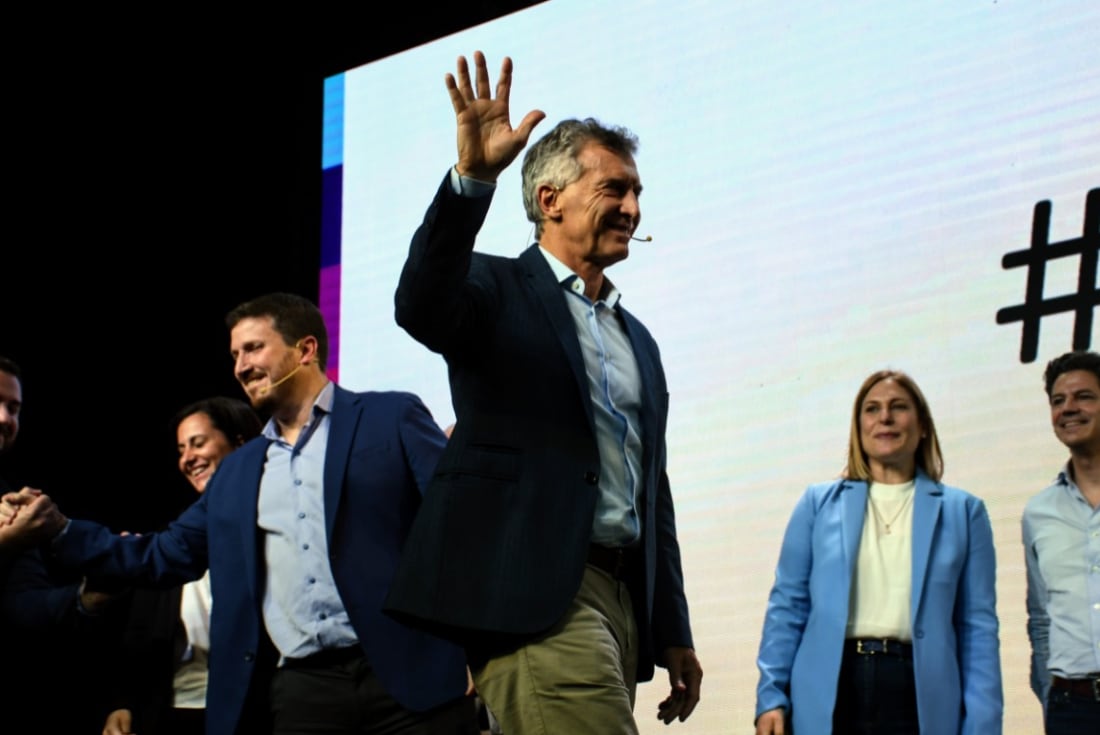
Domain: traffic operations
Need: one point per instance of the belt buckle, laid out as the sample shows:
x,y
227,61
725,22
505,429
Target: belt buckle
x,y
883,647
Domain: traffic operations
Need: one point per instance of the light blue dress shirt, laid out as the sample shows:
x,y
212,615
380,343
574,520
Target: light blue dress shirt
x,y
615,388
1061,533
302,609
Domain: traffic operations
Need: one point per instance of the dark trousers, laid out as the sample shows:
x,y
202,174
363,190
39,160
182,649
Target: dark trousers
x,y
183,721
341,696
1070,714
876,695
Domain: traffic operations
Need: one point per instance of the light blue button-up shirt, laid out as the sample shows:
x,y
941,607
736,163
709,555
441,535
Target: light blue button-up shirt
x,y
301,607
615,388
1061,534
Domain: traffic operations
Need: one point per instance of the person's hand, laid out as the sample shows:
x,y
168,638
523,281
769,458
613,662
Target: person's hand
x,y
118,722
15,501
9,507
487,143
471,688
772,722
94,597
686,677
32,519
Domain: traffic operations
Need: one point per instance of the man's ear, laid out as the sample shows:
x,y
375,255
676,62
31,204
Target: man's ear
x,y
308,347
549,198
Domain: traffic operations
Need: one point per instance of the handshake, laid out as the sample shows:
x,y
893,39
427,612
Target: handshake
x,y
28,518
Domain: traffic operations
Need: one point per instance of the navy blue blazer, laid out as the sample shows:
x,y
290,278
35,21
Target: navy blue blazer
x,y
500,544
381,452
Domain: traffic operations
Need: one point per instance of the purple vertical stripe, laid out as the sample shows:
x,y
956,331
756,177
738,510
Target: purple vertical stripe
x,y
329,303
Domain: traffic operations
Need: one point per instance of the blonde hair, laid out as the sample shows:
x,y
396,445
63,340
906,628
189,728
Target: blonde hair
x,y
928,458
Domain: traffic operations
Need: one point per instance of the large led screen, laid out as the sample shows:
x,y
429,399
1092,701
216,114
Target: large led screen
x,y
831,188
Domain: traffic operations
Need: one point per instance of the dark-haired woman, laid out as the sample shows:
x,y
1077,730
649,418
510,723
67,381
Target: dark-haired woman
x,y
163,683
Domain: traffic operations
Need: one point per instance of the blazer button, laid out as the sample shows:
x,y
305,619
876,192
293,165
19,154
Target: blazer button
x,y
591,477
249,657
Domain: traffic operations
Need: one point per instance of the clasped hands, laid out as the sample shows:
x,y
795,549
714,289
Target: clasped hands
x,y
28,518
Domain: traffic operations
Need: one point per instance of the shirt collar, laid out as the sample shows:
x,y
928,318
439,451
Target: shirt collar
x,y
322,404
610,295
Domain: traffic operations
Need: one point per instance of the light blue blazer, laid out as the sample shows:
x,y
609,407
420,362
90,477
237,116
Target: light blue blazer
x,y
956,651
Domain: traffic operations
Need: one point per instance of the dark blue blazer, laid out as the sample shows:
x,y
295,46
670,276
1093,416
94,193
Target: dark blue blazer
x,y
499,546
381,452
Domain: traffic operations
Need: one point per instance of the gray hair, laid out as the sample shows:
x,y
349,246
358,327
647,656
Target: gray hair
x,y
553,158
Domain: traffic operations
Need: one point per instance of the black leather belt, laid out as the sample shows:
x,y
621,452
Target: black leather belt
x,y
617,561
325,657
880,646
1089,687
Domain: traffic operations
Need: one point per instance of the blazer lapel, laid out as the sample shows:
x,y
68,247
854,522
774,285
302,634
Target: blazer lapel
x,y
652,399
927,505
548,291
247,490
853,500
346,412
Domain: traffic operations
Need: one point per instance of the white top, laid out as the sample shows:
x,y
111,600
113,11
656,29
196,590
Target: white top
x,y
882,588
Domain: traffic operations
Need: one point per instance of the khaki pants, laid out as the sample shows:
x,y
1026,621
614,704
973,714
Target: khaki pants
x,y
580,677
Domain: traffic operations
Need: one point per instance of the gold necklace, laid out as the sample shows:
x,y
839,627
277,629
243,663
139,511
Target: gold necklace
x,y
886,525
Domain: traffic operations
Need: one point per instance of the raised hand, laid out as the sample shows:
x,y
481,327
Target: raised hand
x,y
487,142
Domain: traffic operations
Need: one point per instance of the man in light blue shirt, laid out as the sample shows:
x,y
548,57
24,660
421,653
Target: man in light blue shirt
x,y
1061,533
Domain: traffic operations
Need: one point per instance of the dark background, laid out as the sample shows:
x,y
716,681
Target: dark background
x,y
159,173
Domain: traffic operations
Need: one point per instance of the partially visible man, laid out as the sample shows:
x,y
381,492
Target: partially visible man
x,y
301,529
12,536
1061,533
11,400
547,542
58,635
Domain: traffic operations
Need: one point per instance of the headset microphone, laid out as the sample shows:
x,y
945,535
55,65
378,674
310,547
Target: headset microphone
x,y
268,388
647,238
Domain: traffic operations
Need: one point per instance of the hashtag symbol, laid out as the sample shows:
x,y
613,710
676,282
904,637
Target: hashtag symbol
x,y
1035,258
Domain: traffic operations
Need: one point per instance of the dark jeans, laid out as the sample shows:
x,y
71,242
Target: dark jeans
x,y
1069,714
876,695
345,698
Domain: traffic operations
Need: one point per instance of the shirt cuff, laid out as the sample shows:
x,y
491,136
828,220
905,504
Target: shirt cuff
x,y
466,186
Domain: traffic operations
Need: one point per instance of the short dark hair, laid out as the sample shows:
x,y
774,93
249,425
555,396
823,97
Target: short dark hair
x,y
233,418
1076,360
553,158
10,367
293,316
